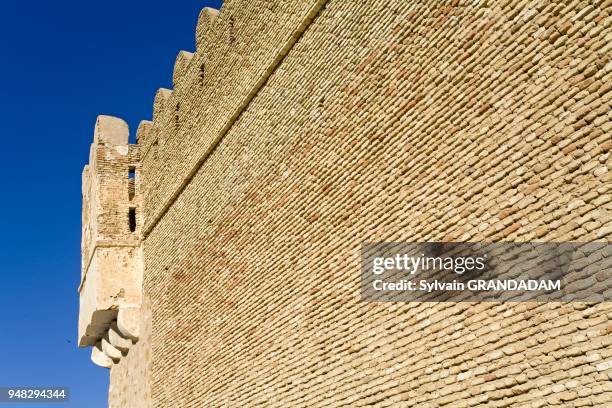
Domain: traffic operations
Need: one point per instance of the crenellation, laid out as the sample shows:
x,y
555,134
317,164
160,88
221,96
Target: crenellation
x,y
111,131
212,103
148,149
142,135
181,65
204,29
160,104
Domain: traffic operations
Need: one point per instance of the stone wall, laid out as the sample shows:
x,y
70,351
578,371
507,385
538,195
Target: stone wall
x,y
129,378
299,130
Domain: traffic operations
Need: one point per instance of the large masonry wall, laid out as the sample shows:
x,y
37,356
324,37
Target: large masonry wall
x,y
130,379
299,130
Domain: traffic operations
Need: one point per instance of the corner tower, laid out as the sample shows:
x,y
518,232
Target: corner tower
x,y
111,272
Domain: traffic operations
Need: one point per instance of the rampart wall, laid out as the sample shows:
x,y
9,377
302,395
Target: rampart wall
x,y
299,130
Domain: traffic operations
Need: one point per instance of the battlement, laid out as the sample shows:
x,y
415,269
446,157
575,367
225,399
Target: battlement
x,y
211,90
111,274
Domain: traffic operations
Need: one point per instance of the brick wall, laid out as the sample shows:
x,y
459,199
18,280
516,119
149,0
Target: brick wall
x,y
300,129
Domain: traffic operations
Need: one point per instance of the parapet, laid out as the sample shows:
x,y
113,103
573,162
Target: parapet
x,y
111,274
212,86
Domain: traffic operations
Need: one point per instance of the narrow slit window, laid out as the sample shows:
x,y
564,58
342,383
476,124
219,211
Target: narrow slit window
x,y
155,149
232,30
131,182
132,219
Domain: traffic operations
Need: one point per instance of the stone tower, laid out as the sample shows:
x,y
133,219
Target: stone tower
x,y
111,275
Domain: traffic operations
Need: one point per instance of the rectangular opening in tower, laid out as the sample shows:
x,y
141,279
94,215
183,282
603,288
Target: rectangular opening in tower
x,y
131,182
132,219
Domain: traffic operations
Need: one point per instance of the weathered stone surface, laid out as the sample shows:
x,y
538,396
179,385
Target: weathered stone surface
x,y
117,339
99,357
111,277
129,379
111,131
110,350
301,129
128,322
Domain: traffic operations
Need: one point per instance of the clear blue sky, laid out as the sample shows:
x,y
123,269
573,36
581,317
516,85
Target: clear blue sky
x,y
62,64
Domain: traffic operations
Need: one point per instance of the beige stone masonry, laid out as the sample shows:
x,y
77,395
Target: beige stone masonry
x,y
299,129
223,46
111,278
